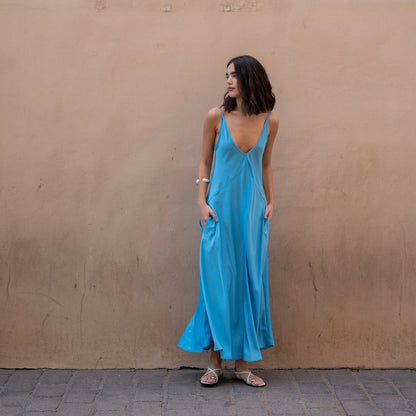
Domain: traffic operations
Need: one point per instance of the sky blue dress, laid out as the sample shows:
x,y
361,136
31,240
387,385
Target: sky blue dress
x,y
233,305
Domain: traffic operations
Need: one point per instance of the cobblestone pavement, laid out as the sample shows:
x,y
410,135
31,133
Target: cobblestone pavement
x,y
178,392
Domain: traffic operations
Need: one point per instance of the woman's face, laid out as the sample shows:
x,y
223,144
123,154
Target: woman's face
x,y
232,82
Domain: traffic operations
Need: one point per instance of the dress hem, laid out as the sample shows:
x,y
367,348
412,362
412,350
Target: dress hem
x,y
225,358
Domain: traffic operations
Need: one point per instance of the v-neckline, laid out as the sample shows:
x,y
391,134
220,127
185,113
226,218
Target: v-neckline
x,y
235,144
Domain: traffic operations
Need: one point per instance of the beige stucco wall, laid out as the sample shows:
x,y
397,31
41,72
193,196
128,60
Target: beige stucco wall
x,y
101,107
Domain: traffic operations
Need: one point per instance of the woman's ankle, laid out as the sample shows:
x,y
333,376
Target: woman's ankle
x,y
215,364
215,360
241,365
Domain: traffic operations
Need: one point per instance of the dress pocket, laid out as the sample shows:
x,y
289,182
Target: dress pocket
x,y
207,223
210,230
266,225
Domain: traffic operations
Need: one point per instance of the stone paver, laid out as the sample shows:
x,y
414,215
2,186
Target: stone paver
x,y
340,392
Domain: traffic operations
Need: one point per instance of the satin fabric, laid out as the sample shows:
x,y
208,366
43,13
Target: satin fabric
x,y
233,305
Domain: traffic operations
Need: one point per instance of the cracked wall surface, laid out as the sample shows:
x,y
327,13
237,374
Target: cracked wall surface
x,y
101,116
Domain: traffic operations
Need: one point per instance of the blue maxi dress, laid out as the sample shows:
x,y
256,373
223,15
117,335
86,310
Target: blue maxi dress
x,y
233,306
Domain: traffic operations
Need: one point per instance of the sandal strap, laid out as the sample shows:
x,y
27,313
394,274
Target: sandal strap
x,y
248,379
213,371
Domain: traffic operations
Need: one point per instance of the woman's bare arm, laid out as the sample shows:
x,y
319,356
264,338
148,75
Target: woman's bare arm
x,y
210,132
267,166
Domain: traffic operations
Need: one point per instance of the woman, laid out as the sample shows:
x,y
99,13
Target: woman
x,y
233,316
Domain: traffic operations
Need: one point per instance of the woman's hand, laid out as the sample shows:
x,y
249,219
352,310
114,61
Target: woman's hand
x,y
268,212
205,211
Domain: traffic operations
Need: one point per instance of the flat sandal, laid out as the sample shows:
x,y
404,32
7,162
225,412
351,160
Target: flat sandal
x,y
248,380
214,376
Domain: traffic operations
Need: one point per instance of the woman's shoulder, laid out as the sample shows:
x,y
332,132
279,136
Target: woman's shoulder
x,y
213,117
214,114
273,118
273,121
273,124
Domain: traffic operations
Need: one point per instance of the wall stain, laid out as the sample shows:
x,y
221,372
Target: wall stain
x,y
237,5
98,360
100,4
44,320
403,273
8,283
315,288
313,277
81,309
172,157
326,324
41,294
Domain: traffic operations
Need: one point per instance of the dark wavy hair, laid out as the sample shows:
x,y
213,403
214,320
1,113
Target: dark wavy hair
x,y
254,86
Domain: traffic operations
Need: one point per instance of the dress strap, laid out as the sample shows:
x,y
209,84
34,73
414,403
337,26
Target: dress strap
x,y
222,115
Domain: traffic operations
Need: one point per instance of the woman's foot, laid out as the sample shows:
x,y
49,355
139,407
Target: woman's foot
x,y
211,377
242,373
214,371
249,378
